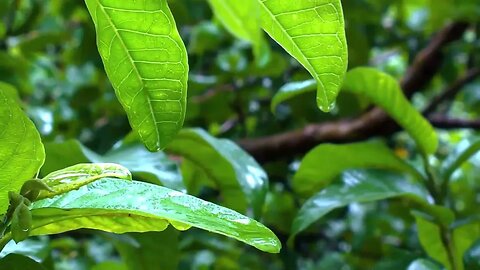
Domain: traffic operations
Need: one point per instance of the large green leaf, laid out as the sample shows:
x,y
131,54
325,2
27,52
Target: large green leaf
x,y
155,168
146,61
355,186
130,206
238,176
313,33
322,164
79,175
385,92
21,150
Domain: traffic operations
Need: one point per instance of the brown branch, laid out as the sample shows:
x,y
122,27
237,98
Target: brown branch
x,y
453,123
452,90
372,123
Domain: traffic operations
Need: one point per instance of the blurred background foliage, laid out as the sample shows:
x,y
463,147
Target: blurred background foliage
x,y
48,51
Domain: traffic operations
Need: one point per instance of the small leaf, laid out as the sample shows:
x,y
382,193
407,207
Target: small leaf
x,y
356,186
232,169
131,206
155,168
385,92
242,19
430,237
322,164
21,223
291,90
146,62
423,264
21,150
313,33
76,176
465,150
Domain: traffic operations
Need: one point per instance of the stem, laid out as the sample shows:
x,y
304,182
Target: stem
x,y
431,184
448,243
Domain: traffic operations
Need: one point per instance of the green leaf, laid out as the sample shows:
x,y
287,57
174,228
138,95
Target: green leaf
x,y
355,186
322,164
131,206
19,262
155,250
385,92
21,150
430,237
155,168
237,175
313,33
146,61
464,151
79,175
242,19
423,264
37,249
463,238
291,90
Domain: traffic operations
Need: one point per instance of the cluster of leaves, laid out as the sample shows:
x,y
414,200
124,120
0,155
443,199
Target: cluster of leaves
x,y
104,87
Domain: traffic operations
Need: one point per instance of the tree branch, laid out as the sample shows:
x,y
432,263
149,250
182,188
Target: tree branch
x,y
374,122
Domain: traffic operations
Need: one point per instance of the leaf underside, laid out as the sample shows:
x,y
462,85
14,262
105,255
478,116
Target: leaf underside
x,y
146,62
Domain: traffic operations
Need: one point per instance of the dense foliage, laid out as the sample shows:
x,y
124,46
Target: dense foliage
x,y
247,134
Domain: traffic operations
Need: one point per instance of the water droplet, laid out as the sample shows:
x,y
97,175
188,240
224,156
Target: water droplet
x,y
326,108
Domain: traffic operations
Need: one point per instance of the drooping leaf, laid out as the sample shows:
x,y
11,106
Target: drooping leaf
x,y
355,186
242,19
146,62
238,176
291,90
130,206
21,150
313,33
385,92
322,164
79,175
423,264
459,155
430,237
155,168
19,262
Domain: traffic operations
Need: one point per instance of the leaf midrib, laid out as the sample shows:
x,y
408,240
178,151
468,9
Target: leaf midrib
x,y
134,68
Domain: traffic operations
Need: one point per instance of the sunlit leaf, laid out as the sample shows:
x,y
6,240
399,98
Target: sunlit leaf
x,y
238,176
384,91
313,33
130,206
21,150
79,175
146,62
355,186
322,164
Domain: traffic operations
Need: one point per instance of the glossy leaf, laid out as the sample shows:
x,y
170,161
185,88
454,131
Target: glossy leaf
x,y
322,164
423,264
355,186
384,91
21,150
79,175
465,150
155,168
146,62
291,90
430,237
313,33
131,206
236,174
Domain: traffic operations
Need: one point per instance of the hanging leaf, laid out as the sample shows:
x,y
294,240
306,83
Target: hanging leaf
x,y
146,62
313,33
